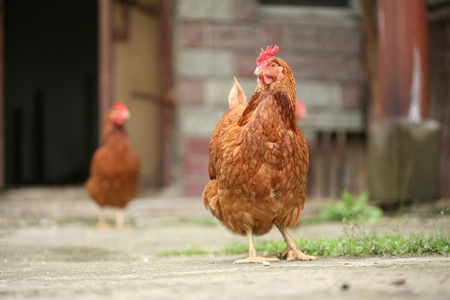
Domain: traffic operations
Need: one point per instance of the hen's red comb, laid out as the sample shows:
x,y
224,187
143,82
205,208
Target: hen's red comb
x,y
119,106
265,55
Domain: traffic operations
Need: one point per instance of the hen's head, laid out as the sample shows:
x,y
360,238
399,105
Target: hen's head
x,y
268,67
119,113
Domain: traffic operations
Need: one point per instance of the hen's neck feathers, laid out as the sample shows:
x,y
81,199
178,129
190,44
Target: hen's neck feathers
x,y
117,137
283,92
109,128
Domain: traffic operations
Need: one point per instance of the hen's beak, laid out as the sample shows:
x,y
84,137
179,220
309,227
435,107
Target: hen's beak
x,y
259,72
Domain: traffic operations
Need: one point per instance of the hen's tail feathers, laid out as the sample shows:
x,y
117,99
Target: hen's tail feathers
x,y
237,95
210,197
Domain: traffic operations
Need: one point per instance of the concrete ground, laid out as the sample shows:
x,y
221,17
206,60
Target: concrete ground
x,y
49,249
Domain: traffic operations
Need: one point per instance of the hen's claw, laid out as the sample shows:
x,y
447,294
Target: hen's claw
x,y
292,253
102,226
295,254
253,257
255,260
124,227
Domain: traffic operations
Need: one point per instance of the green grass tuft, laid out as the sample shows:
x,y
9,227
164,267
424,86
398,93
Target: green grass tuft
x,y
33,221
366,245
235,249
190,222
64,222
188,251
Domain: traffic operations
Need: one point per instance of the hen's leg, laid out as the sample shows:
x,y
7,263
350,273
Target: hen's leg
x,y
120,223
292,252
253,257
102,219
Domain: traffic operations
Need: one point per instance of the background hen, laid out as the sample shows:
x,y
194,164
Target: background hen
x,y
259,160
114,167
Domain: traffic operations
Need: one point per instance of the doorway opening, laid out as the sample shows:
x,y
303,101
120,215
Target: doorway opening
x,y
50,94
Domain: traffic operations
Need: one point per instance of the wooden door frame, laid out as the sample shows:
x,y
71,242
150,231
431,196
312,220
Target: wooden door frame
x,y
165,97
167,100
2,97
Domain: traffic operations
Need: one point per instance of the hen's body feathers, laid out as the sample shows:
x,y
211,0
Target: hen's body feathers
x,y
114,171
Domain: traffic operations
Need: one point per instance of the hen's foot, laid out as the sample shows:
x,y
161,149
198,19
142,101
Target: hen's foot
x,y
295,254
255,260
102,226
124,227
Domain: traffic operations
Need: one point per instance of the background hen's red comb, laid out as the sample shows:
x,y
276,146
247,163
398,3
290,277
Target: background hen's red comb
x,y
265,55
119,106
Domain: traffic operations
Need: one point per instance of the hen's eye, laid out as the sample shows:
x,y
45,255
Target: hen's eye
x,y
273,65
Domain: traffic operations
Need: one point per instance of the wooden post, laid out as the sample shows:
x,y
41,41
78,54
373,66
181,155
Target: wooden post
x,y
104,58
167,106
2,99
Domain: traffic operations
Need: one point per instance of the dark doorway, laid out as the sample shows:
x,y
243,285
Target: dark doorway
x,y
50,90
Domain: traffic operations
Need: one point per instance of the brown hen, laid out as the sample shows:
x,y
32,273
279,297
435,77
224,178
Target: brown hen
x,y
114,168
259,160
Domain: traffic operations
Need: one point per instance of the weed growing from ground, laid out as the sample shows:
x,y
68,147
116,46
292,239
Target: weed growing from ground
x,y
350,209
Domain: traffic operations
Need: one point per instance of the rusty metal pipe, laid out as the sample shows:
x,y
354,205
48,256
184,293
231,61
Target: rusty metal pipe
x,y
402,60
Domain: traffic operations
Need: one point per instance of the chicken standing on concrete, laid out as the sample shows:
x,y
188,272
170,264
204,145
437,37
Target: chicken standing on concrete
x,y
114,168
259,160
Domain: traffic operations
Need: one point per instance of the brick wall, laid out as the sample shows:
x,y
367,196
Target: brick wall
x,y
195,155
218,39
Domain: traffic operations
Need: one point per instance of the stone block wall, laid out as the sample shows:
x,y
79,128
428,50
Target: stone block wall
x,y
215,40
